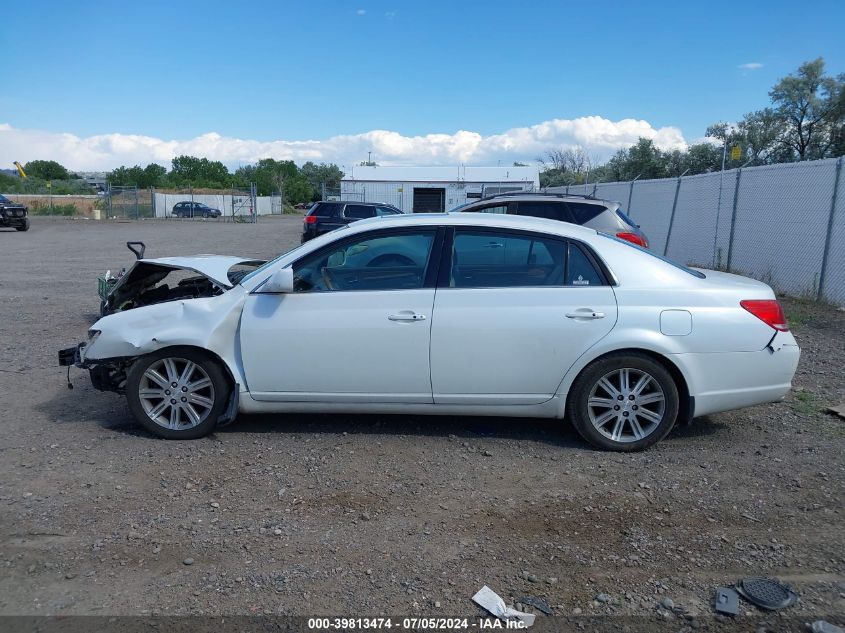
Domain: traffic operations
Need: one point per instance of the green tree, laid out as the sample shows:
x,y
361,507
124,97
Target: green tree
x,y
46,170
316,175
199,172
811,106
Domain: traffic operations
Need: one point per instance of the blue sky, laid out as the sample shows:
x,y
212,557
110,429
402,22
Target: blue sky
x,y
268,71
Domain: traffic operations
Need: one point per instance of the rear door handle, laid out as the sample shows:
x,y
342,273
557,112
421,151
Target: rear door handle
x,y
585,314
407,316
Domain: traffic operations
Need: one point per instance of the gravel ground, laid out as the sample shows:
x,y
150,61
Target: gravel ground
x,y
368,515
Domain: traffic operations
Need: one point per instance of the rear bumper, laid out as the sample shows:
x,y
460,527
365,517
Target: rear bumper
x,y
733,380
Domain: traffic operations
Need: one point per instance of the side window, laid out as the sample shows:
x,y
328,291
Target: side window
x,y
580,271
359,211
501,260
583,212
380,211
493,208
384,262
548,210
324,209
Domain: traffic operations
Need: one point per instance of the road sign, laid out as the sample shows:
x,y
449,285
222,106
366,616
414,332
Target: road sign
x,y
736,152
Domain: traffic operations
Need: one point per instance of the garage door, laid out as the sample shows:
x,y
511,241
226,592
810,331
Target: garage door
x,y
428,200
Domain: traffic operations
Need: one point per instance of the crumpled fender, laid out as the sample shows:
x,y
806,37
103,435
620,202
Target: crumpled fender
x,y
209,323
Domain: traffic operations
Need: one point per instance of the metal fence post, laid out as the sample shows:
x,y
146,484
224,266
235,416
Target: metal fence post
x,y
829,235
137,211
672,216
733,220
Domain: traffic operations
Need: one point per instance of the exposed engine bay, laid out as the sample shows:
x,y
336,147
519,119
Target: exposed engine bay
x,y
152,281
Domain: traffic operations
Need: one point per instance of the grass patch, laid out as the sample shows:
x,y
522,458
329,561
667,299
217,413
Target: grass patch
x,y
807,403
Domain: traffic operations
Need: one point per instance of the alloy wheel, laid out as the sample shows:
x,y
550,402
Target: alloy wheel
x,y
176,393
626,405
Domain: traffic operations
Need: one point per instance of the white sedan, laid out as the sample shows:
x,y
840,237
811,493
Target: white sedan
x,y
455,314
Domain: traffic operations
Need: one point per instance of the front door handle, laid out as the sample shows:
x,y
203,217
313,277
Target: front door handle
x,y
585,313
407,316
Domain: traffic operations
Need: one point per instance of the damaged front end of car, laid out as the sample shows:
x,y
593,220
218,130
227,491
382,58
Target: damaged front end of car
x,y
163,302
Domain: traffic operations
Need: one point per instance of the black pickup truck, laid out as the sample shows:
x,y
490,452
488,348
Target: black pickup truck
x,y
13,214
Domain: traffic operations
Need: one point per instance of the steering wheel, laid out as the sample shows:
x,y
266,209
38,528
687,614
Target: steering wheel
x,y
390,259
327,278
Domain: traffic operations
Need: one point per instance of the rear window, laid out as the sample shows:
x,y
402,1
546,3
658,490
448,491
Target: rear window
x,y
583,212
694,273
325,209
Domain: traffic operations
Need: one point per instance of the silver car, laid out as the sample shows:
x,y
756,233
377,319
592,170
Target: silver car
x,y
602,215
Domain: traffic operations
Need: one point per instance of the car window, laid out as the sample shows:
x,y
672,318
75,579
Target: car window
x,y
580,270
4,199
492,208
359,211
544,209
583,212
387,211
325,209
499,259
384,262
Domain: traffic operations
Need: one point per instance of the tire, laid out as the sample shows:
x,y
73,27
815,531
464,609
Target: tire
x,y
24,226
599,401
205,215
208,400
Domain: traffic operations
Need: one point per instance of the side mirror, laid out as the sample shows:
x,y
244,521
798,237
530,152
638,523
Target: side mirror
x,y
280,282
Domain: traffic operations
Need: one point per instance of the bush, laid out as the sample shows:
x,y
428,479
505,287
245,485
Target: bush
x,y
66,210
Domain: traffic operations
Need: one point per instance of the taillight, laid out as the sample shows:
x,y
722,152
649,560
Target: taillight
x,y
634,238
310,219
768,311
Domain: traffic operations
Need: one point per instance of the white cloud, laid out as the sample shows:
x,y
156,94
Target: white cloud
x,y
599,136
390,14
750,66
361,12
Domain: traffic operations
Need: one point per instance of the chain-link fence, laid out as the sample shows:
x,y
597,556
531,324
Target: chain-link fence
x,y
128,203
783,224
233,205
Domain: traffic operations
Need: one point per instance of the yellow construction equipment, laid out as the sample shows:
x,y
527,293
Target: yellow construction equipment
x,y
20,169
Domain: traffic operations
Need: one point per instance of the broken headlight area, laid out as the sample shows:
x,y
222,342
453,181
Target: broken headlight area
x,y
107,374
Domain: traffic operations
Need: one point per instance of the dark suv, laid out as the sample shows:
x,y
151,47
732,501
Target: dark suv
x,y
328,216
13,214
194,210
602,215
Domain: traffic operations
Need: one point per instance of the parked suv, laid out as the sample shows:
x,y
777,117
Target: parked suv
x,y
328,216
194,210
13,214
601,215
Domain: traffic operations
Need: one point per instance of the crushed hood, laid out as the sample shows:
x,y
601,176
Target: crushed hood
x,y
215,267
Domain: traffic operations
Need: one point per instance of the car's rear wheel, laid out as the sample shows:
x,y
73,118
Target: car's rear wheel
x,y
177,392
623,402
205,214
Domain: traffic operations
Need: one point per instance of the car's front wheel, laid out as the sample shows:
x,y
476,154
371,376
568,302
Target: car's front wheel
x,y
205,214
24,226
178,393
623,402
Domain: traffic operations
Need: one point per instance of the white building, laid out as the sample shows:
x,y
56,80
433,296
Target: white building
x,y
425,189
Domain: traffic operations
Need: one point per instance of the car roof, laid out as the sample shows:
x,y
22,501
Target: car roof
x,y
369,204
545,197
497,220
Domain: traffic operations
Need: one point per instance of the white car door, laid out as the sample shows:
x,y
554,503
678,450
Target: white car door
x,y
356,328
505,331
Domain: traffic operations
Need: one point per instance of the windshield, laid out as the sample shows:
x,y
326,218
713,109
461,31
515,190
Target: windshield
x,y
4,199
694,273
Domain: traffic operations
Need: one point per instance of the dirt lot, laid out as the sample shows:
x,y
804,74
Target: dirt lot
x,y
392,515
